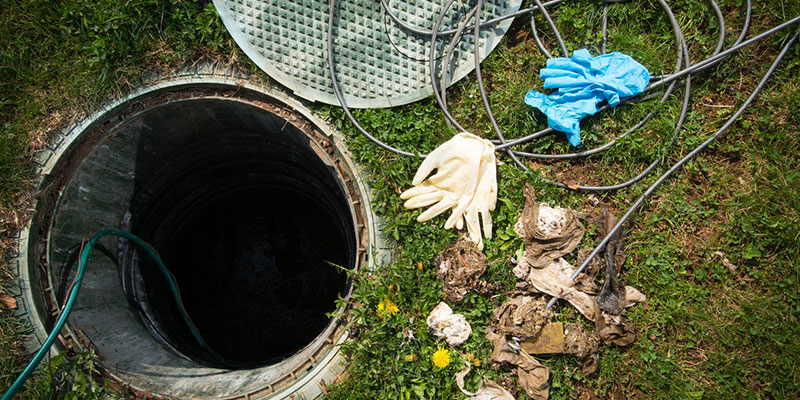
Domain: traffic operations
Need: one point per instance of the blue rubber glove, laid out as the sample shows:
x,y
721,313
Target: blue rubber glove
x,y
583,82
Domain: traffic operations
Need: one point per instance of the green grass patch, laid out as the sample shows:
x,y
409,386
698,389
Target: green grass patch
x,y
707,331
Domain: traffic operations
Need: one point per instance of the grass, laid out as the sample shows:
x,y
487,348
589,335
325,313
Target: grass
x,y
707,331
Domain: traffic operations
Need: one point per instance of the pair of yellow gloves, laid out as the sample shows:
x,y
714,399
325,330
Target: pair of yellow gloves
x,y
465,181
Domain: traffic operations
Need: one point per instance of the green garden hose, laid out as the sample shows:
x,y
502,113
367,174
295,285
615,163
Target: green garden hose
x,y
86,248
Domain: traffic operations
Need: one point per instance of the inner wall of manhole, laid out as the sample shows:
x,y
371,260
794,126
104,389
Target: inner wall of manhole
x,y
254,206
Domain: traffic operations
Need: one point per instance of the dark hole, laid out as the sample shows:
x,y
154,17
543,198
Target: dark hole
x,y
254,273
254,233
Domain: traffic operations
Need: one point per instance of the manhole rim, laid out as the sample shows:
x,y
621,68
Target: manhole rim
x,y
63,145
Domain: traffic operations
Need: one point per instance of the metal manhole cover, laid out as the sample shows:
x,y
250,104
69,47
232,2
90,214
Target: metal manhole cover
x,y
377,62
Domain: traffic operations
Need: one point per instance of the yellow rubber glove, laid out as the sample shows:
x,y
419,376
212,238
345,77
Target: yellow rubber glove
x,y
465,181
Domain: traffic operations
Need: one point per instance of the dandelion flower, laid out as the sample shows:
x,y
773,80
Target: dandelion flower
x,y
441,358
411,357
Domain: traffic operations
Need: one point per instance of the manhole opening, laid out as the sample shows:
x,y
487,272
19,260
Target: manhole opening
x,y
257,210
256,230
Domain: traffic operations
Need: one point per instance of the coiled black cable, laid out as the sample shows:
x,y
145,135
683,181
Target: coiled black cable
x,y
684,71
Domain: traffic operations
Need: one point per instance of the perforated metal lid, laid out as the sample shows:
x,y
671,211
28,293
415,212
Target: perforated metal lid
x,y
378,64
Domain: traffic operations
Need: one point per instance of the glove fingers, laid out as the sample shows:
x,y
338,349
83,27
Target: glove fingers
x,y
473,228
417,191
435,210
428,164
458,211
423,200
490,173
563,83
549,72
484,179
563,64
460,224
487,223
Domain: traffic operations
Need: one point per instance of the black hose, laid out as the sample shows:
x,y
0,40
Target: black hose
x,y
490,22
672,79
337,91
684,72
484,97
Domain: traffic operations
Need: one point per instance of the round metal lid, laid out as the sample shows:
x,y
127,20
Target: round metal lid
x,y
378,63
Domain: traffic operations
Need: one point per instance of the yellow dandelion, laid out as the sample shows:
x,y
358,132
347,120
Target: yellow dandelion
x,y
419,265
441,358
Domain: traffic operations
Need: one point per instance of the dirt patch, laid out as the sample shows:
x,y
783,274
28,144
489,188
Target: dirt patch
x,y
584,393
574,173
612,392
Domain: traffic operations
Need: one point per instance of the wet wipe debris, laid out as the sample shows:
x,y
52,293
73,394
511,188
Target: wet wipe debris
x,y
554,279
582,345
489,391
443,323
612,295
548,232
521,316
533,376
546,270
459,268
522,325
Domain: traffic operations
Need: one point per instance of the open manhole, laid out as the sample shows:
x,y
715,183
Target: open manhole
x,y
254,206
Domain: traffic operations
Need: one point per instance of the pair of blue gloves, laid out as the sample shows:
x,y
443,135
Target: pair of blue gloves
x,y
583,82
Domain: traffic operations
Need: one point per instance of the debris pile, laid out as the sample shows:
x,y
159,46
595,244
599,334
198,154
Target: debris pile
x,y
521,316
460,267
548,232
522,326
533,376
